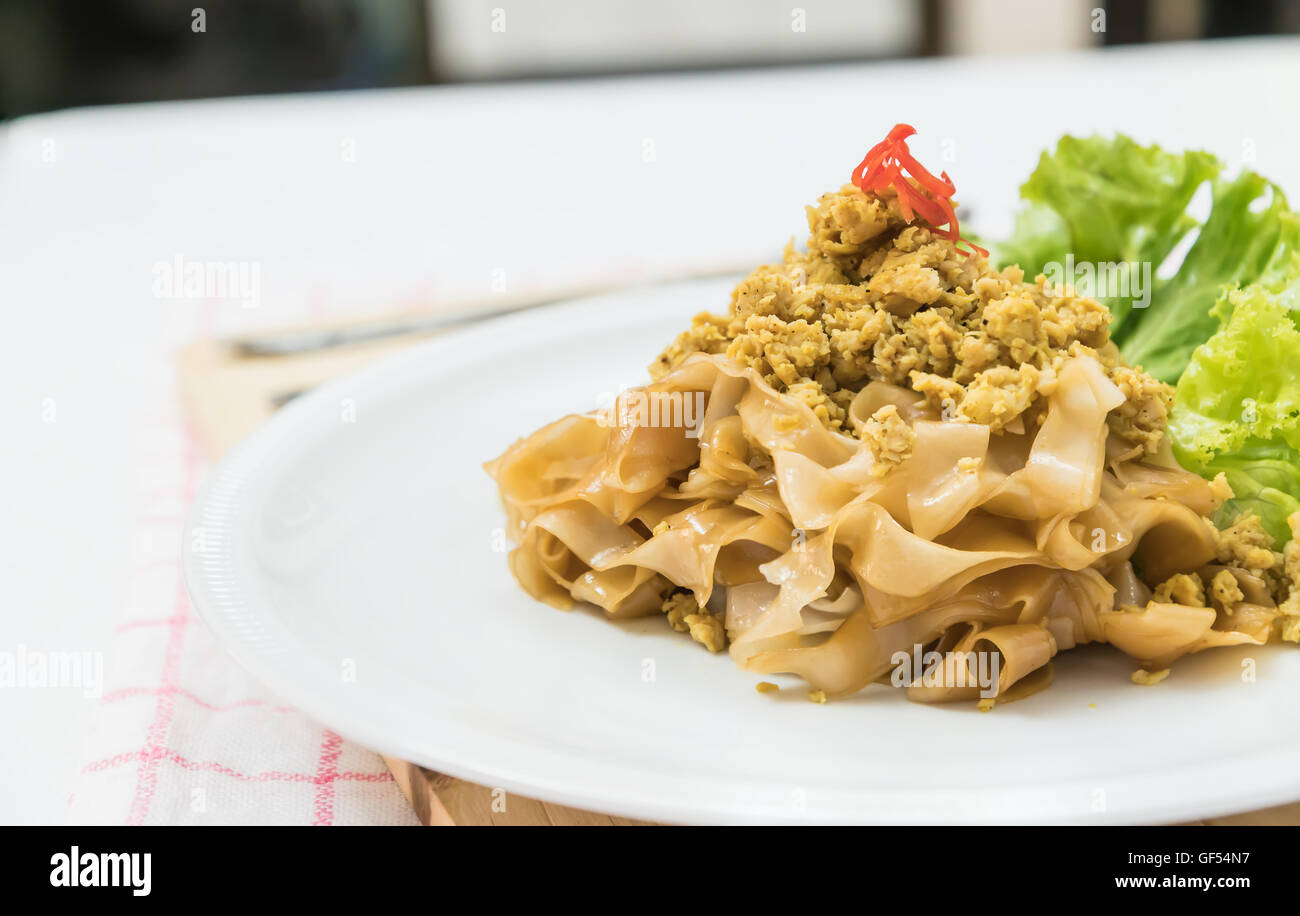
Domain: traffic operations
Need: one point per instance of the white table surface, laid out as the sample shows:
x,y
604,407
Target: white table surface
x,y
541,185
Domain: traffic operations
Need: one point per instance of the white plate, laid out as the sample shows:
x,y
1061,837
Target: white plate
x,y
352,566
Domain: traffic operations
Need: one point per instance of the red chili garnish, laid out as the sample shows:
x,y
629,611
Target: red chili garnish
x,y
919,192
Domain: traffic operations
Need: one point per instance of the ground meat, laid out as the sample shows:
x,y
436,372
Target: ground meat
x,y
707,629
1142,417
1225,591
889,438
687,616
998,395
1289,624
1246,545
1220,489
708,334
844,225
829,406
1182,588
783,352
877,298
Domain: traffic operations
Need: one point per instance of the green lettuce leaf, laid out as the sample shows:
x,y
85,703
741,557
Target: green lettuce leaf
x,y
1105,200
1250,236
1110,201
1237,407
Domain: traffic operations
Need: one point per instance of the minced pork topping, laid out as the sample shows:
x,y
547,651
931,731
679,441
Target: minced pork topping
x,y
875,297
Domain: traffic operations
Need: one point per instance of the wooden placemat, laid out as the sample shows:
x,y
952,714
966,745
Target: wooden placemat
x,y
226,395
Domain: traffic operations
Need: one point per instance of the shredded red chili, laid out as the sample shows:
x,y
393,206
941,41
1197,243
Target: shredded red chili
x,y
919,192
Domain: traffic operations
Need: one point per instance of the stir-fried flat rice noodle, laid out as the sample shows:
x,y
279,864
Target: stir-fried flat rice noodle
x,y
1024,542
829,510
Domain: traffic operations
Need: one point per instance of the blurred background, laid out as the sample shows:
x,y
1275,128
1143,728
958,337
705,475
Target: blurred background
x,y
65,53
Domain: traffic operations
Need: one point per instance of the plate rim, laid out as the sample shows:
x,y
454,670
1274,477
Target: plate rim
x,y
211,581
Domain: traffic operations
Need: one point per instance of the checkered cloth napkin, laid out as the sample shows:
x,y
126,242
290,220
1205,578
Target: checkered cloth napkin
x,y
183,735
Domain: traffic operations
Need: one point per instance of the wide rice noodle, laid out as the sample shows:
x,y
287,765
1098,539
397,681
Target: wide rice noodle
x,y
1016,542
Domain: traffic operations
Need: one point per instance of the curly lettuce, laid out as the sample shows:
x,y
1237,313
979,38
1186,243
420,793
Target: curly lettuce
x,y
1237,407
1223,322
1106,201
1251,236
